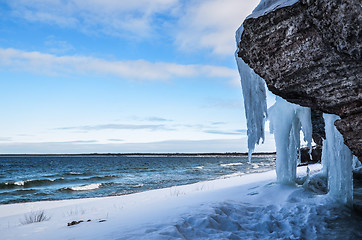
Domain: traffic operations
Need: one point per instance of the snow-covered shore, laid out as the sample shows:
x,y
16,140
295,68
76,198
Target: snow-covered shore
x,y
240,206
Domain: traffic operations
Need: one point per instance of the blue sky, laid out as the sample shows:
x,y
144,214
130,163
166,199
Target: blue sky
x,y
121,76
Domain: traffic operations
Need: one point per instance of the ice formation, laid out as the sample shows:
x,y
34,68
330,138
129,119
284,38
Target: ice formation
x,y
253,85
286,122
337,162
254,100
356,163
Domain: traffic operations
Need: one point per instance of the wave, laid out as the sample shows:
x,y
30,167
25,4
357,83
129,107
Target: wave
x,y
19,183
19,192
73,173
29,183
107,177
199,167
138,186
87,187
231,164
255,166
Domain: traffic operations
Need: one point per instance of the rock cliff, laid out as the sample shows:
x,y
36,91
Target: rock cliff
x,y
310,53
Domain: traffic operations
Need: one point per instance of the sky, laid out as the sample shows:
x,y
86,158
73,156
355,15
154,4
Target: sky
x,y
121,76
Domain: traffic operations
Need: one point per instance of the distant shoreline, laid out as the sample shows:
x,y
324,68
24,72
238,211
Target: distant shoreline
x,y
137,154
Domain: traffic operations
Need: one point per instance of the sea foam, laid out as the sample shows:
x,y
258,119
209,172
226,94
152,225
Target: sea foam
x,y
88,187
231,164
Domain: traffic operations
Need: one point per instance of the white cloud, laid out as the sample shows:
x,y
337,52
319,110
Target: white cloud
x,y
5,139
58,46
115,127
114,17
230,132
217,145
186,146
211,24
49,64
194,25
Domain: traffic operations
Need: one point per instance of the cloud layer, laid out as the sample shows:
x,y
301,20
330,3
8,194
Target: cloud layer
x,y
211,24
44,63
111,17
214,145
231,145
115,127
194,25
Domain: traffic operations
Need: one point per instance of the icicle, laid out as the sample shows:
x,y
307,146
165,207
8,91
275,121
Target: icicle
x,y
338,158
355,162
305,117
286,122
324,158
254,94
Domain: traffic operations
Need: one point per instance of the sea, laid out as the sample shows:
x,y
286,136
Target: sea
x,y
40,178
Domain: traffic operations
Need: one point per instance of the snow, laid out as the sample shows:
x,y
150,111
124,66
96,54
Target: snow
x,y
255,105
248,206
286,122
337,160
267,6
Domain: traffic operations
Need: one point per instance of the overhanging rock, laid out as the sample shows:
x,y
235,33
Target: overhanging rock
x,y
310,53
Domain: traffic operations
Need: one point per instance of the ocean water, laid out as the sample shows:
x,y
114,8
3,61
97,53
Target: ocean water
x,y
26,179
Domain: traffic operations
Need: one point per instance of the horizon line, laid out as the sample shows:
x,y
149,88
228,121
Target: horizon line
x,y
136,154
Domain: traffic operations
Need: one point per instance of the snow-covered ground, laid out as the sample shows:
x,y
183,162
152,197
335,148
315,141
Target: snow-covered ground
x,y
249,206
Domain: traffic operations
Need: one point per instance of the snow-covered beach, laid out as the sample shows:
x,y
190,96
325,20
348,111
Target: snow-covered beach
x,y
154,76
248,206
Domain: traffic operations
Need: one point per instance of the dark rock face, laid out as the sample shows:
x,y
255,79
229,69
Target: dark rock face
x,y
316,155
310,53
318,132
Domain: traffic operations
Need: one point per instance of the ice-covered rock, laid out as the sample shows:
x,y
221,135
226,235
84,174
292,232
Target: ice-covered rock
x,y
314,157
310,54
290,45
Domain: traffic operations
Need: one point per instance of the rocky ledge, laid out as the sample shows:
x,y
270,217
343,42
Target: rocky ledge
x,y
310,53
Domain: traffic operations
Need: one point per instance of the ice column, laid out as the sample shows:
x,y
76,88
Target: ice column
x,y
254,94
286,122
337,162
356,163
